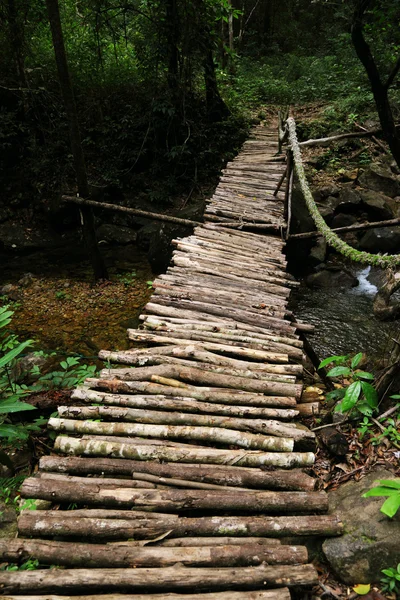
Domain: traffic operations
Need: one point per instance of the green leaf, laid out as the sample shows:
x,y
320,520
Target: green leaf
x,y
391,505
7,358
339,371
330,359
390,483
380,491
356,360
365,409
365,375
12,405
370,394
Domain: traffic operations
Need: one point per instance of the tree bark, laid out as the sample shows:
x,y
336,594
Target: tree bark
x,y
121,527
243,458
133,415
218,395
204,434
217,474
216,107
75,555
181,404
171,579
89,234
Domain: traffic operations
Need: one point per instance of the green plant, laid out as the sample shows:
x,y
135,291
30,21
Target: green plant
x,y
70,376
149,284
10,391
389,432
28,565
392,579
389,488
127,279
365,427
357,396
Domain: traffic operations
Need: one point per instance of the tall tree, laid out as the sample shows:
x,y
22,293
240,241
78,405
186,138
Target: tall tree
x,y
87,219
380,88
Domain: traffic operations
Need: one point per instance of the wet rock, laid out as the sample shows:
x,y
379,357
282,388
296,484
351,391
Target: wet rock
x,y
343,220
379,206
332,278
318,251
27,280
384,239
381,179
114,234
371,541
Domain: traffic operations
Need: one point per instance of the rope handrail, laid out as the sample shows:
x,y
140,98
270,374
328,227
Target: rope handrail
x,y
381,260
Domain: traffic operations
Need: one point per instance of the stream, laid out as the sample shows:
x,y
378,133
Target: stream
x,y
344,319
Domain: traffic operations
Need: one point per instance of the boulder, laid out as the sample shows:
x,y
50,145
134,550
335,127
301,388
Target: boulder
x,y
343,220
384,239
371,541
114,234
326,191
348,198
301,220
27,280
318,251
381,179
378,206
18,237
332,278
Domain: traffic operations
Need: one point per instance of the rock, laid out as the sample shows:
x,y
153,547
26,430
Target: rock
x,y
6,289
301,220
23,367
381,179
8,521
318,251
326,191
114,234
371,541
385,239
348,198
379,206
326,212
329,278
18,237
394,167
343,220
27,280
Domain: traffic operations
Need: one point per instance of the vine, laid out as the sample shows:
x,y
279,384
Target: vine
x,y
380,260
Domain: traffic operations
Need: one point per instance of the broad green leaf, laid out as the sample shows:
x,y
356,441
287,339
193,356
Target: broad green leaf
x,y
365,409
8,430
362,589
380,491
391,505
12,405
332,359
395,397
339,371
390,483
370,394
356,360
7,358
365,375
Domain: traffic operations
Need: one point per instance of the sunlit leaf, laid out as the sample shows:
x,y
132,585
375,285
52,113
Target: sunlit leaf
x,y
362,589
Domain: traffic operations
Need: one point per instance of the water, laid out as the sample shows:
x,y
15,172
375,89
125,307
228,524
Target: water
x,y
344,319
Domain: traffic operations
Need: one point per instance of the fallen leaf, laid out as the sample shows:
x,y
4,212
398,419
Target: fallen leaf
x,y
362,589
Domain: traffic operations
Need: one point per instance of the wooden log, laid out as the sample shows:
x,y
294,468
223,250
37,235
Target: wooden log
x,y
74,581
146,356
181,404
33,523
144,336
203,434
76,555
209,378
128,415
218,395
104,482
216,474
216,541
309,409
243,458
357,227
275,594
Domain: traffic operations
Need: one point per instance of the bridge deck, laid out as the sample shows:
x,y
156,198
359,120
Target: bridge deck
x,y
181,471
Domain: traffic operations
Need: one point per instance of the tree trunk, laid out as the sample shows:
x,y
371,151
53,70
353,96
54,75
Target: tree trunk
x,y
126,526
172,579
75,555
89,234
248,458
217,474
216,107
379,89
203,434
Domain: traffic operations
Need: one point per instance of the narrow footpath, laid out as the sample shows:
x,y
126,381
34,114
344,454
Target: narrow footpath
x,y
180,472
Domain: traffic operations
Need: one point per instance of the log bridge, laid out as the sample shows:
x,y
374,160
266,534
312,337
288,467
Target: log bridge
x,y
180,471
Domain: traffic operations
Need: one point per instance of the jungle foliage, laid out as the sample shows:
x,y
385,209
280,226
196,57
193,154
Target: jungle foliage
x,y
164,90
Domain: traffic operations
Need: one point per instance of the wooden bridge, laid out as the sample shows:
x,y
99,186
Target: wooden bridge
x,y
182,475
